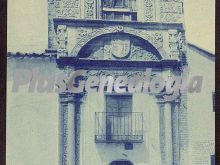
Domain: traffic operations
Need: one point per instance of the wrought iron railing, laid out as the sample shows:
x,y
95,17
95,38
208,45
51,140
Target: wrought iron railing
x,y
118,127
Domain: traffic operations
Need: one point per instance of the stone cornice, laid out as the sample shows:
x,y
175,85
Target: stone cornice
x,y
88,64
104,23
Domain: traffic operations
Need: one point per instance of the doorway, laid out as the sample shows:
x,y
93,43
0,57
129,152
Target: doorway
x,y
121,163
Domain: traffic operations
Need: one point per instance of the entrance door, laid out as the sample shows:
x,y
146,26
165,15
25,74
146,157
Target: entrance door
x,y
118,117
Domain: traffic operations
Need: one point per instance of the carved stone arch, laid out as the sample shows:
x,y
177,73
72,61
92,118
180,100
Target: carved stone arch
x,y
137,48
155,38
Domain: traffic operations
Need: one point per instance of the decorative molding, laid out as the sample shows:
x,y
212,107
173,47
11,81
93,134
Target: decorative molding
x,y
149,10
115,73
153,37
90,9
67,8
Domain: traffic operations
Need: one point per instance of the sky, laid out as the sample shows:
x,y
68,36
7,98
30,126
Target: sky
x,y
27,24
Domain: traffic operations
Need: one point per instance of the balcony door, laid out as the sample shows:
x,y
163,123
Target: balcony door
x,y
118,117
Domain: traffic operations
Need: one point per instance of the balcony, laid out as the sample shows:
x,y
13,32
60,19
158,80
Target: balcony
x,y
118,127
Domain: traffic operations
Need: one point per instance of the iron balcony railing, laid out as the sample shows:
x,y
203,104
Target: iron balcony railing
x,y
116,127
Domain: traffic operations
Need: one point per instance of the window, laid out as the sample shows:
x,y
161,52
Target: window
x,y
116,3
119,16
119,10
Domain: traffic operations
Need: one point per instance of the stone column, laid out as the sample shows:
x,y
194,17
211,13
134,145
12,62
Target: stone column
x,y
77,117
166,134
183,130
162,134
175,133
183,116
69,128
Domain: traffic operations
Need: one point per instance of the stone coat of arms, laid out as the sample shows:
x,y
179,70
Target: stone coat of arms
x,y
120,47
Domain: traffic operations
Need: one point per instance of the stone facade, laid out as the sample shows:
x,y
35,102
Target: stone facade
x,y
80,36
151,35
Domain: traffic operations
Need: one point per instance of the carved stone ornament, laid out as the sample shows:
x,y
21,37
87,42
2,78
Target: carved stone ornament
x,y
133,53
171,11
140,54
182,41
67,8
90,9
149,13
153,37
120,48
174,44
115,73
62,40
173,40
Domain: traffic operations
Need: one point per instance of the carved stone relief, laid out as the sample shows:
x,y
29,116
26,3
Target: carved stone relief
x,y
182,41
62,40
149,10
90,9
173,43
177,43
119,47
171,11
85,35
67,8
115,73
136,53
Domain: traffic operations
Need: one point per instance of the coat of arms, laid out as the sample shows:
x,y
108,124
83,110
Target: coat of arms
x,y
120,48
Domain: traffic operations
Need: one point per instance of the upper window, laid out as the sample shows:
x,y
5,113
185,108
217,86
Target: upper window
x,y
124,10
117,3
